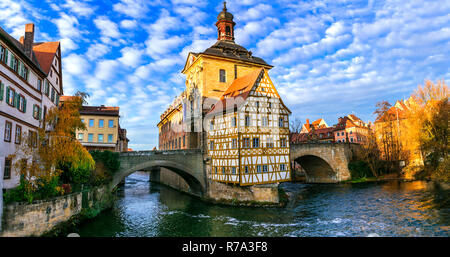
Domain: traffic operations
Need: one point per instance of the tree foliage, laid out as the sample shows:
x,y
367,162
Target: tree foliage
x,y
371,153
388,136
429,127
53,155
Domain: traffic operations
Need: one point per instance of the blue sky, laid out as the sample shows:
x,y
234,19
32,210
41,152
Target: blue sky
x,y
331,57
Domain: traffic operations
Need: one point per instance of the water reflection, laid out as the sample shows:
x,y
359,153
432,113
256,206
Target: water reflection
x,y
388,209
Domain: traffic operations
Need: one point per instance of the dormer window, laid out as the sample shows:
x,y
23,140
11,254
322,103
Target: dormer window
x,y
222,76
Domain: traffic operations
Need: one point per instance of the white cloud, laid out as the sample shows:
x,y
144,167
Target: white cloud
x,y
75,64
67,45
132,8
131,57
251,30
68,26
107,27
257,12
192,15
157,45
13,17
128,24
165,23
97,50
190,2
79,7
336,29
106,69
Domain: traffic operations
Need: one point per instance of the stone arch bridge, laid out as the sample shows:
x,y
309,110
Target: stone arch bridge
x,y
188,164
324,162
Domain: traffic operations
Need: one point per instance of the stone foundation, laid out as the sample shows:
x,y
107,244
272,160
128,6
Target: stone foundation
x,y
243,195
220,192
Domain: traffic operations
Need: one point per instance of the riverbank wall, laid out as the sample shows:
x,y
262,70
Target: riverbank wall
x,y
39,217
216,192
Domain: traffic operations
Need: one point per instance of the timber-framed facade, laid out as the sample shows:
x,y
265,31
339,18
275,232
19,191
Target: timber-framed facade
x,y
248,136
232,110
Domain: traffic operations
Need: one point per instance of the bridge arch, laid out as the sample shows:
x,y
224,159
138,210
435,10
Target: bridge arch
x,y
323,162
195,185
317,169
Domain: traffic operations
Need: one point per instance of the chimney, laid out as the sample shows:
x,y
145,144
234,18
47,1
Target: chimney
x,y
29,39
21,40
307,121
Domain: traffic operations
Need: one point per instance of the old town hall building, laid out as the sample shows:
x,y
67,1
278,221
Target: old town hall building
x,y
232,110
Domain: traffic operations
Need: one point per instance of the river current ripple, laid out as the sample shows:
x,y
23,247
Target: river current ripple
x,y
390,209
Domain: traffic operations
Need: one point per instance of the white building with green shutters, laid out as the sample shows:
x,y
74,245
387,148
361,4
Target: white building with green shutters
x,y
30,84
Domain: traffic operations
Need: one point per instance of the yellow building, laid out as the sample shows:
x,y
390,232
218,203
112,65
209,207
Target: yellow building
x,y
223,72
103,129
208,75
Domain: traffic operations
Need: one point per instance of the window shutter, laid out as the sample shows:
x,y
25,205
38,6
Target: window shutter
x,y
7,95
17,100
11,63
24,104
39,113
6,55
2,88
19,68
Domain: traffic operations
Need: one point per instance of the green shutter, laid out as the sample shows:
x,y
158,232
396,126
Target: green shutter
x,y
24,104
11,61
17,100
39,113
2,88
7,95
6,55
19,68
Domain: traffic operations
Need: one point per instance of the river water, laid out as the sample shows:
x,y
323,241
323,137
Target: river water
x,y
393,208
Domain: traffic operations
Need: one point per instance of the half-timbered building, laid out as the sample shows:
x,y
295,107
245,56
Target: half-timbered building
x,y
232,110
248,134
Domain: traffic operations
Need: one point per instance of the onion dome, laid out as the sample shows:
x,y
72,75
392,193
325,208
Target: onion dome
x,y
224,15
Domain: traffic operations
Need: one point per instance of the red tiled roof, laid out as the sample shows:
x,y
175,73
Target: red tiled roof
x,y
236,92
242,84
45,53
100,110
317,122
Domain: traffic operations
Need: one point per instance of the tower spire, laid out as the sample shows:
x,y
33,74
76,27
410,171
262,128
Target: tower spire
x,y
225,24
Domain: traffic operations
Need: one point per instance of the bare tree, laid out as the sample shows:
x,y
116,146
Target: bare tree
x,y
387,131
371,153
295,125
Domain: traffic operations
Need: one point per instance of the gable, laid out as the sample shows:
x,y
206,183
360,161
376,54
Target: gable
x,y
192,57
265,87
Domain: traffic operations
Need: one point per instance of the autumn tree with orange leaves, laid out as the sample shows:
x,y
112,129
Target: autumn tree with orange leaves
x,y
428,129
53,158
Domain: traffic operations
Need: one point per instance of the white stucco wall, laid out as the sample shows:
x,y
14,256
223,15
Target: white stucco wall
x,y
26,120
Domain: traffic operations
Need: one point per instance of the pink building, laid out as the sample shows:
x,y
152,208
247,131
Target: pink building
x,y
351,129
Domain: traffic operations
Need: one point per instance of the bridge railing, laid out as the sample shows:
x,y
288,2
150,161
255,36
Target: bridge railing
x,y
156,152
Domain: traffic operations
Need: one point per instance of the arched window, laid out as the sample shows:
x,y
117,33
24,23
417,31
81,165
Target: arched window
x,y
228,30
